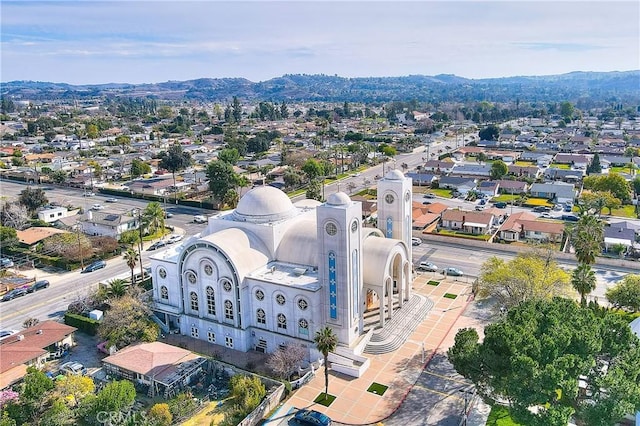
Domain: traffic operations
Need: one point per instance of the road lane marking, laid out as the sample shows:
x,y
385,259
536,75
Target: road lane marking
x,y
447,378
446,395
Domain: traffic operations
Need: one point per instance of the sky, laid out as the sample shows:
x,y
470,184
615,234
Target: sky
x,y
93,42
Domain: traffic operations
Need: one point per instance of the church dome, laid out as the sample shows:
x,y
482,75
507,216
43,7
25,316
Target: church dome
x,y
338,199
394,175
264,204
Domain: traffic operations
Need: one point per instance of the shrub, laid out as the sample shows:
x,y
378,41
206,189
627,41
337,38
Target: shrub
x,y
88,325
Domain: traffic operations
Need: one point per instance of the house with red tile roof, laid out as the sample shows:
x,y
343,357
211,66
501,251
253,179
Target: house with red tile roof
x,y
476,223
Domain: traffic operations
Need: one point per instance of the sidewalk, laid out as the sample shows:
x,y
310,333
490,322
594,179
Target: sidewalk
x,y
398,370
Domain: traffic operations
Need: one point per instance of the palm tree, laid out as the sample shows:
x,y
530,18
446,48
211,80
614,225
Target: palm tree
x,y
153,216
117,288
584,281
326,341
174,160
586,237
131,257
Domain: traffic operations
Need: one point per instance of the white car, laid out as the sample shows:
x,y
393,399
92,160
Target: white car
x,y
427,266
97,207
174,239
416,241
200,219
111,200
73,367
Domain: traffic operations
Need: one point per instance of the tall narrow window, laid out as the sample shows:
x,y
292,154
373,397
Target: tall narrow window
x,y
303,327
282,321
211,301
164,293
261,317
228,310
194,300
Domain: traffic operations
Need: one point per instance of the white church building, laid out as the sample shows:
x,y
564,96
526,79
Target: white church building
x,y
271,272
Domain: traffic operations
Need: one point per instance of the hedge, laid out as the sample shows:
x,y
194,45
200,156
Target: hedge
x,y
88,325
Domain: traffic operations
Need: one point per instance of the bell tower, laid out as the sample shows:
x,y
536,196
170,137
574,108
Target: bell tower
x,y
340,265
395,200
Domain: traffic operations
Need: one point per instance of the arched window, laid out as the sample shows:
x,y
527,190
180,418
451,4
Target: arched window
x,y
261,317
211,301
282,321
228,309
280,299
194,300
303,326
164,293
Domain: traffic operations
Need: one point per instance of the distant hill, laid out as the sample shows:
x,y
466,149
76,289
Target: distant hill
x,y
589,87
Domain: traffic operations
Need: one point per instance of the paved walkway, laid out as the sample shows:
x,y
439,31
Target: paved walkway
x,y
398,370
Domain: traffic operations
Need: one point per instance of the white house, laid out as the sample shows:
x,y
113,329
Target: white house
x,y
107,224
53,214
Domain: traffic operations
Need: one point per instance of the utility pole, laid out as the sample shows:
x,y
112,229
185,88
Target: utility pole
x,y
137,212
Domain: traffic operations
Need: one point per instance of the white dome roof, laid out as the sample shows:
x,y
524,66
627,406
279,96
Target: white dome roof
x,y
338,199
264,204
394,175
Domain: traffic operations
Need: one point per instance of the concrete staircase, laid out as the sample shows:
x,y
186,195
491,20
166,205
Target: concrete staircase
x,y
397,330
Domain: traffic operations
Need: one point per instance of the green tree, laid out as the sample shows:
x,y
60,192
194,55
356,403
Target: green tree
x,y
175,160
92,131
75,387
131,259
626,293
489,133
33,198
139,168
313,169
8,237
636,185
33,394
115,289
583,280
115,396
613,182
236,110
247,391
326,341
587,236
160,415
128,321
535,357
595,166
229,155
498,169
566,111
597,201
529,276
222,180
58,176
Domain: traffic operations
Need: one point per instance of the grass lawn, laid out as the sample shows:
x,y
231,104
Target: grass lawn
x,y
377,388
433,283
624,211
463,235
505,198
499,416
538,202
320,399
450,295
560,166
444,193
619,169
525,163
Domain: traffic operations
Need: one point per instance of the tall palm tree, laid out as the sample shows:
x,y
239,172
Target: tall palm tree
x,y
131,258
326,341
153,216
584,281
587,236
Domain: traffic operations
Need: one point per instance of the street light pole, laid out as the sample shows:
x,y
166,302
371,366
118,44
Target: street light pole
x,y
139,216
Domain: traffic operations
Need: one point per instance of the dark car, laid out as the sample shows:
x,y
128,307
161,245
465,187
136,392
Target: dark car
x,y
541,209
501,205
98,264
38,285
16,292
483,202
429,196
570,217
157,245
312,417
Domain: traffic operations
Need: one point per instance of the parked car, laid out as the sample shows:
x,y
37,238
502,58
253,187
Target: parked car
x,y
38,285
312,417
88,194
427,266
5,262
168,215
426,202
483,201
501,205
546,216
453,272
157,245
111,200
73,367
416,241
479,208
16,292
6,333
98,264
570,217
97,207
541,209
174,239
568,208
429,196
199,219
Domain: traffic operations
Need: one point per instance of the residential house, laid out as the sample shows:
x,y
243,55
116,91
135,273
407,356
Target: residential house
x,y
438,167
108,224
506,156
420,179
154,186
624,232
577,161
426,216
531,172
53,214
461,184
512,186
32,346
564,175
475,170
526,226
165,369
476,223
559,192
488,188
32,236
